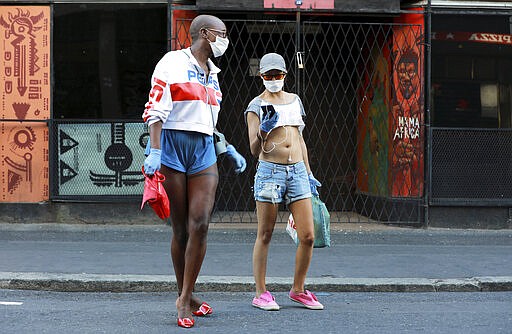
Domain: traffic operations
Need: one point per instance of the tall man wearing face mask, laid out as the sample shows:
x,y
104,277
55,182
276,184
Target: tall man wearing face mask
x,y
182,114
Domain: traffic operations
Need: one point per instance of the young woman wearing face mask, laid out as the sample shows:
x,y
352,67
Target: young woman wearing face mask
x,y
182,113
283,175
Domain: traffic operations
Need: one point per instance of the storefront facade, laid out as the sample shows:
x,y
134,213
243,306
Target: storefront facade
x,y
470,182
80,74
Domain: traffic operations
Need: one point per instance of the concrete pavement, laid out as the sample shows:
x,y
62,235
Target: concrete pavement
x,y
363,257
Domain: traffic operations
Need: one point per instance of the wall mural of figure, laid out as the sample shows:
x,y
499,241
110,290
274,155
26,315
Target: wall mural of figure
x,y
408,111
373,125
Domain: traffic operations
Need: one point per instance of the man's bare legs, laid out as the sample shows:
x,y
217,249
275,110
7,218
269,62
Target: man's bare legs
x,y
192,198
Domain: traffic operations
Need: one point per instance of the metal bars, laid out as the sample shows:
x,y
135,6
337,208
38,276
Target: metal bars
x,y
471,167
360,128
346,65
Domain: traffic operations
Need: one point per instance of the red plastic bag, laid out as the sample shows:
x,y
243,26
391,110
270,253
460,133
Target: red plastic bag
x,y
155,195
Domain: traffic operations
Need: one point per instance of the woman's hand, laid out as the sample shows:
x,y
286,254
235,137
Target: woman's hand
x,y
269,121
313,184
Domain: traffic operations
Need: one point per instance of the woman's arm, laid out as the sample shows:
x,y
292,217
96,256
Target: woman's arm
x,y
304,153
313,183
253,130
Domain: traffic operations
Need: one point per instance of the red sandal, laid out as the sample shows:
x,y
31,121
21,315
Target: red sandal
x,y
186,322
203,310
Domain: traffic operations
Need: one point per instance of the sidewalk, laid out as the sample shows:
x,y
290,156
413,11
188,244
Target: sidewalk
x,y
363,257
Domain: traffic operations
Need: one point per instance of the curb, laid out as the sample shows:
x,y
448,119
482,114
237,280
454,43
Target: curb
x,y
165,283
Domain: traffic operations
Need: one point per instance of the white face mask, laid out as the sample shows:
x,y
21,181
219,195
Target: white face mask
x,y
273,86
219,46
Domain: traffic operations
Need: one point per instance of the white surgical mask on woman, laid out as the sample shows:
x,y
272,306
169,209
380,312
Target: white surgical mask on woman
x,y
219,46
273,86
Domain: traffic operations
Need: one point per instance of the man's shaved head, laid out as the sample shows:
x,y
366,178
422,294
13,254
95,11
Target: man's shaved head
x,y
205,21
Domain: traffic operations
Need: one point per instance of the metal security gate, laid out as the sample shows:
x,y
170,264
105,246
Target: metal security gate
x,y
471,167
343,72
355,112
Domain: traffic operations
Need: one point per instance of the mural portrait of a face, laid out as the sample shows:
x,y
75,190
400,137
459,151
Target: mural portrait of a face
x,y
408,77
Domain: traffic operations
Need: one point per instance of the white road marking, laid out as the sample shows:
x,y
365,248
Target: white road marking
x,y
11,303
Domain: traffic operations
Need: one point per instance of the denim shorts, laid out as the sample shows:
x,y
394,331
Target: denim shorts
x,y
276,183
186,151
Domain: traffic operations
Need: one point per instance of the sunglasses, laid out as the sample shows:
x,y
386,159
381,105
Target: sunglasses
x,y
220,33
268,77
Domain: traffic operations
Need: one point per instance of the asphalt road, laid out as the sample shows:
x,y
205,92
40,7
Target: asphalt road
x,y
58,312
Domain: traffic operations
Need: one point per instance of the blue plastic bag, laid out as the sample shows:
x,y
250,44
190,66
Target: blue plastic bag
x,y
321,222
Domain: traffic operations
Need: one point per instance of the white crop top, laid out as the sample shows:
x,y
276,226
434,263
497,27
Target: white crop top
x,y
289,114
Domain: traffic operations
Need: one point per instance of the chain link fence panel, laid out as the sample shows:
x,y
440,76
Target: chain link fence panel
x,y
471,167
339,64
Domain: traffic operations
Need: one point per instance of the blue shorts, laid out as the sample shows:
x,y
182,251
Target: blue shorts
x,y
276,183
186,151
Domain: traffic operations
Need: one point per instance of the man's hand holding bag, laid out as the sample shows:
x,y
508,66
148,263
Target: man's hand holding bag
x,y
155,194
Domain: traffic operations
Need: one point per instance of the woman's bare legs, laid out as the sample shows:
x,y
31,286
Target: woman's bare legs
x,y
267,214
192,198
303,216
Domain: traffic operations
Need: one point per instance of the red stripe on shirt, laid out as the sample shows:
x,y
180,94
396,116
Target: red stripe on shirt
x,y
190,91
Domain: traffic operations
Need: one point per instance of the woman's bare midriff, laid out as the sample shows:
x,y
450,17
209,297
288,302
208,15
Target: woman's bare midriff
x,y
283,146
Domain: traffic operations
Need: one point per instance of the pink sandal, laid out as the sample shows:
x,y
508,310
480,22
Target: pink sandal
x,y
307,299
265,302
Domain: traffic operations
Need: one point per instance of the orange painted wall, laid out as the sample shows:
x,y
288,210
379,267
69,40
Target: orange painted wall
x,y
391,119
25,94
180,28
407,117
373,142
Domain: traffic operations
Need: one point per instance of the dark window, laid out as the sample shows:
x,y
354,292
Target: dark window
x,y
104,55
471,77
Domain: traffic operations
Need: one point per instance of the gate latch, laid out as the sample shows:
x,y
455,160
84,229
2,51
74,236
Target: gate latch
x,y
300,59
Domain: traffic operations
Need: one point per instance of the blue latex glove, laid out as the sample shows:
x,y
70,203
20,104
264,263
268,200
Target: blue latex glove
x,y
269,121
237,159
313,184
153,161
147,150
